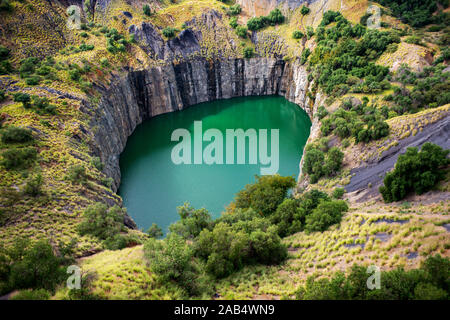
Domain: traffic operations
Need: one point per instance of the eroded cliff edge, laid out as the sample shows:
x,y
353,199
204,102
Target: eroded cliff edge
x,y
142,94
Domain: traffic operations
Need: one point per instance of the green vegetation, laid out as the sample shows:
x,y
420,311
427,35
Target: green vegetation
x,y
169,32
265,195
27,265
305,10
5,65
362,121
416,13
345,55
146,9
107,225
321,162
415,172
297,34
430,89
429,282
241,31
248,52
19,158
13,134
275,17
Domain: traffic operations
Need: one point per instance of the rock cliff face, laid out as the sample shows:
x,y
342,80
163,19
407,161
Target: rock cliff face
x,y
143,94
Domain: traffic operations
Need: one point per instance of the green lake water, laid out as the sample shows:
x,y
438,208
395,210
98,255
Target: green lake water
x,y
152,186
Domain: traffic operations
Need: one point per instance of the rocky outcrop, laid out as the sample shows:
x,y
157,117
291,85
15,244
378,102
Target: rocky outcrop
x,y
142,94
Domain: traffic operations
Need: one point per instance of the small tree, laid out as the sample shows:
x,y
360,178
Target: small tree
x,y
297,34
305,10
146,9
248,52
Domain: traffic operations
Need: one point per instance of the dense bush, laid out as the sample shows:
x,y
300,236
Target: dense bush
x,y
275,17
362,121
326,214
12,134
169,32
430,88
290,216
155,231
305,10
241,31
347,52
248,52
297,34
102,222
191,222
5,65
243,237
415,172
77,174
19,158
146,9
416,13
265,195
429,282
172,260
318,163
33,186
30,266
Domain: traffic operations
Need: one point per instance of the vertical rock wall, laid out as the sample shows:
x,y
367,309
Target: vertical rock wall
x,y
146,93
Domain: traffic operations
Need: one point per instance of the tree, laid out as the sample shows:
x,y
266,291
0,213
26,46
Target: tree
x,y
297,34
155,231
326,214
248,52
169,32
146,9
265,195
12,134
305,10
102,222
415,172
192,221
241,31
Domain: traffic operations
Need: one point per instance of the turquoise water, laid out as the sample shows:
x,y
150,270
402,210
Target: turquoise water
x,y
152,186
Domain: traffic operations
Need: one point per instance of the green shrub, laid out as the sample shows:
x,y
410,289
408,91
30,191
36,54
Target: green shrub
x,y
32,266
235,9
265,194
146,9
297,34
39,294
25,98
326,214
33,80
397,284
241,31
2,95
102,222
191,222
233,23
19,158
169,32
305,10
28,66
338,193
415,172
248,52
239,239
172,260
12,134
77,174
155,231
33,186
74,74
97,163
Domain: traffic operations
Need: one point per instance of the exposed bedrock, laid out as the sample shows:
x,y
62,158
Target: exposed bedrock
x,y
143,94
